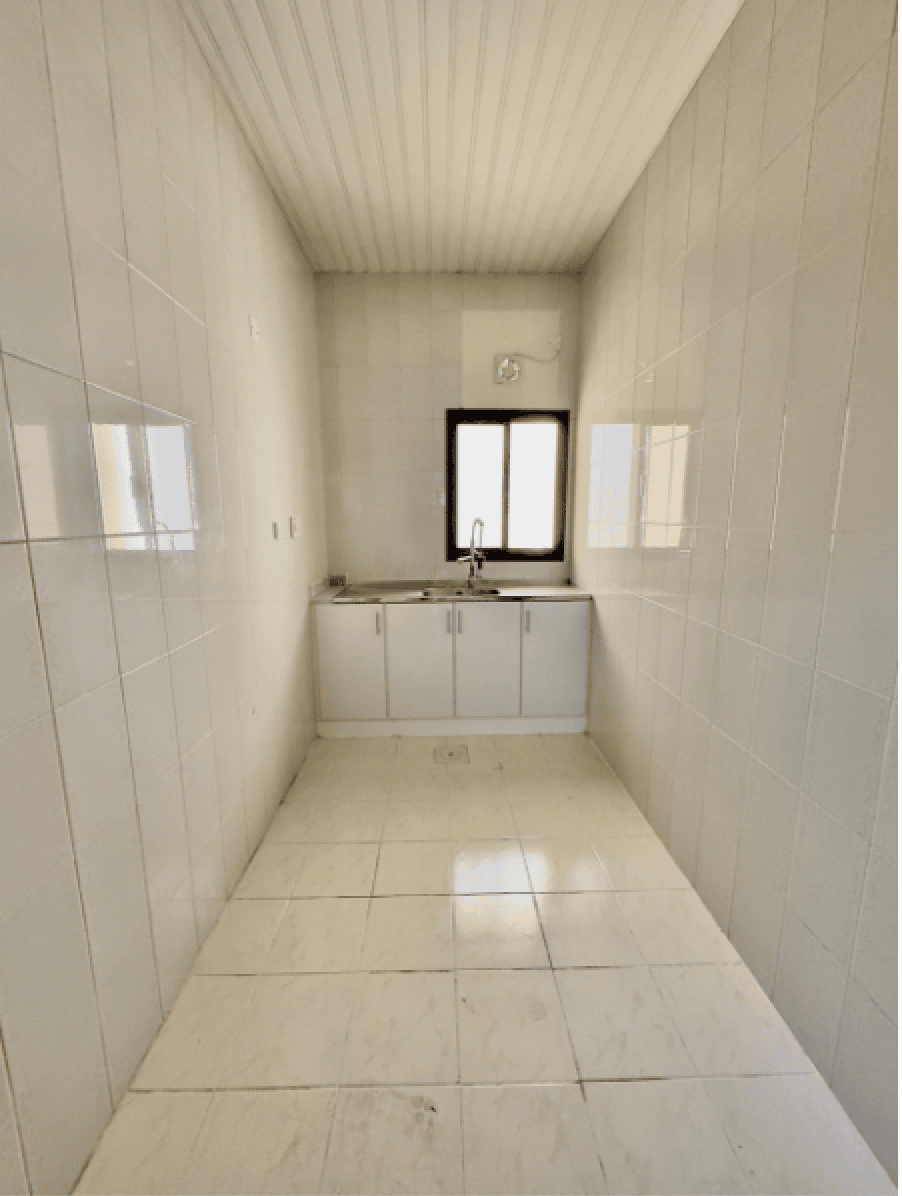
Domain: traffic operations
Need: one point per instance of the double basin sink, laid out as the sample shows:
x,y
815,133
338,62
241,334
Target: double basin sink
x,y
415,592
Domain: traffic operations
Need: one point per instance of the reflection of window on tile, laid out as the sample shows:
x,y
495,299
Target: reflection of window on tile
x,y
612,485
36,469
664,492
116,480
172,485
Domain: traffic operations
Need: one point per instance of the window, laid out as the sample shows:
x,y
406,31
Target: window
x,y
509,469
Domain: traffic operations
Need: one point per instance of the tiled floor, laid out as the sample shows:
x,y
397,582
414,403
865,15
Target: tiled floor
x,y
435,978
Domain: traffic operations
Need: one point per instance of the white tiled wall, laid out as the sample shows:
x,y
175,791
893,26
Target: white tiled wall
x,y
395,352
739,316
154,676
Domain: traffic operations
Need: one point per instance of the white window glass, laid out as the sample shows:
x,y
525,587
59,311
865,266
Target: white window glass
x,y
169,456
533,478
116,480
480,466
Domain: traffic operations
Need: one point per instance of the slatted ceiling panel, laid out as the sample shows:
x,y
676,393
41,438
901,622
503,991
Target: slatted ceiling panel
x,y
493,75
529,36
576,82
279,53
251,112
586,183
471,101
338,175
382,86
549,70
263,52
475,135
603,195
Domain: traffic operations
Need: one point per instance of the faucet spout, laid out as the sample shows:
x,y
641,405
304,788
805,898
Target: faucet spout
x,y
475,556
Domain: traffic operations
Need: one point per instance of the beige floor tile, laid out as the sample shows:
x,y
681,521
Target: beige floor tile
x,y
403,1030
727,1023
531,1139
321,934
488,866
512,1029
637,862
661,1137
613,814
241,938
621,1028
476,785
792,1137
273,872
587,930
410,868
146,1146
417,751
350,822
417,820
273,1142
293,1034
409,934
423,784
674,927
390,1140
549,817
483,818
336,870
498,930
190,1050
563,866
696,1036
342,784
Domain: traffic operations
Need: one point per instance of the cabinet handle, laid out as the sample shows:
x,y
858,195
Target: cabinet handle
x,y
448,616
527,619
460,625
378,623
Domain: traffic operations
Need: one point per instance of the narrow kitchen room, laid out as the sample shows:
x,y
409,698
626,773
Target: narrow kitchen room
x,y
448,634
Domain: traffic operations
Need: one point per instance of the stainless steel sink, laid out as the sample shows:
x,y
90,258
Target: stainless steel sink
x,y
456,591
414,593
460,592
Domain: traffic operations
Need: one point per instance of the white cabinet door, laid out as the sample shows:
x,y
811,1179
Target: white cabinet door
x,y
420,650
487,663
351,655
555,658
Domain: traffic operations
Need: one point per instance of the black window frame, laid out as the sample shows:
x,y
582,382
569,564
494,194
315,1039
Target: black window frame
x,y
454,417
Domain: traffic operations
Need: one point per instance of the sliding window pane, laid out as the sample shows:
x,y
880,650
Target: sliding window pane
x,y
533,480
480,469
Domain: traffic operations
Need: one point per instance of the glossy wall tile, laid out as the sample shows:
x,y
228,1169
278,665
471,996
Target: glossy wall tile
x,y
397,350
735,513
154,693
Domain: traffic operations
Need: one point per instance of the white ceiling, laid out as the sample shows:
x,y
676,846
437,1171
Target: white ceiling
x,y
467,135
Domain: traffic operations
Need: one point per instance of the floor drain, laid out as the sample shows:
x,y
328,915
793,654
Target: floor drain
x,y
456,754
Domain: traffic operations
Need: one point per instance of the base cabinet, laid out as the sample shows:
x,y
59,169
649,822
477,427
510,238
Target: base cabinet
x,y
351,662
487,659
403,663
419,649
555,658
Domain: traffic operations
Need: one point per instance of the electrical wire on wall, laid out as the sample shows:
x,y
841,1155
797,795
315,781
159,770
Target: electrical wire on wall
x,y
507,365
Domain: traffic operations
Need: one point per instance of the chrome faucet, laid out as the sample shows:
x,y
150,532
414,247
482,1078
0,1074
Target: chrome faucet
x,y
475,556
